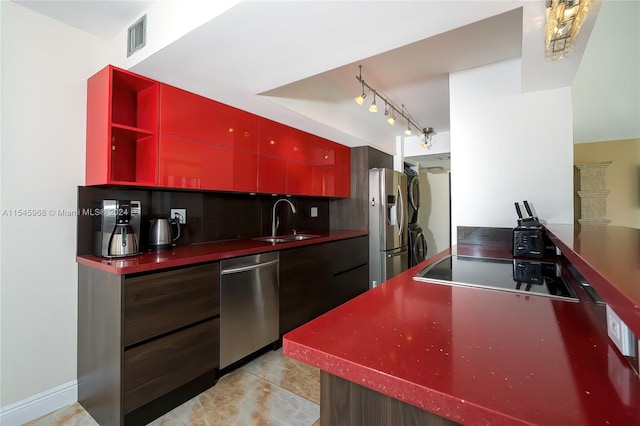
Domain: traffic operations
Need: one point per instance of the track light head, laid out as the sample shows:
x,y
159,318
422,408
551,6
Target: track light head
x,y
360,99
408,131
373,107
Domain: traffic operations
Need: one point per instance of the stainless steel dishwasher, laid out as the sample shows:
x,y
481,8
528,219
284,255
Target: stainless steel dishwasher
x,y
249,302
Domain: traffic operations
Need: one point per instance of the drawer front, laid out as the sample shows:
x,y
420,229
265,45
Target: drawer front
x,y
162,365
350,253
161,302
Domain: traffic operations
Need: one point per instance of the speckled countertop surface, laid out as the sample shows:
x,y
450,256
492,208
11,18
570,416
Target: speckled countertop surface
x,y
205,252
475,356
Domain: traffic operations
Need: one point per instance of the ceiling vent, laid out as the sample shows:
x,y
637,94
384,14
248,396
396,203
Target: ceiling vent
x,y
137,36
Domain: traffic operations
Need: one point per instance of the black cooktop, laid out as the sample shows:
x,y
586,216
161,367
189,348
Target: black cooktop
x,y
519,276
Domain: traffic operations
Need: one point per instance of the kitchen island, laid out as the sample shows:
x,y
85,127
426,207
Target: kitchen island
x,y
466,355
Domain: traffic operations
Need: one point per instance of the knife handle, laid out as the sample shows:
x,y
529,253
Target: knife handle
x,y
518,210
526,206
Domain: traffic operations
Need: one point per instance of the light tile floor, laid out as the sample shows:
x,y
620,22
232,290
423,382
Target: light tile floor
x,y
270,390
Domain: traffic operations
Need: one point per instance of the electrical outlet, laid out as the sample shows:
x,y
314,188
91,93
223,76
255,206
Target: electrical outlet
x,y
620,334
314,212
180,214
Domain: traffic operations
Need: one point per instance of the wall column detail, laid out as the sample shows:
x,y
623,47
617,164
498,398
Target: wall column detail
x,y
593,195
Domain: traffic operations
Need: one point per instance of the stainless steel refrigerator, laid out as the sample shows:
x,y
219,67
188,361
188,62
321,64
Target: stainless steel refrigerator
x,y
388,236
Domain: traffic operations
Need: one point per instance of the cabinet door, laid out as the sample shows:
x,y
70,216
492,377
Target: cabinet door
x,y
282,141
184,114
304,274
191,116
299,178
160,302
271,175
342,186
317,278
164,364
190,164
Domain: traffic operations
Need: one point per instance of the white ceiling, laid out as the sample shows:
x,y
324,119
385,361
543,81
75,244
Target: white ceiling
x,y
296,62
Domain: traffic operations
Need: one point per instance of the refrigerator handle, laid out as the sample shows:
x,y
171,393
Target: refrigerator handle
x,y
400,212
397,253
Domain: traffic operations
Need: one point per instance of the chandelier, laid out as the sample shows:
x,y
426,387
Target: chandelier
x,y
564,19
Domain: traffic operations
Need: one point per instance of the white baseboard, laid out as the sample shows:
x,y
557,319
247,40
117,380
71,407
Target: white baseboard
x,y
40,404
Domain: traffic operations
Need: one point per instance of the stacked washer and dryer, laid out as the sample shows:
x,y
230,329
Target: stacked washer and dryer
x,y
417,243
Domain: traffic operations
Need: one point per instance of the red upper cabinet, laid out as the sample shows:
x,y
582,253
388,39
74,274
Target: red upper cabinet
x,y
282,141
187,115
331,154
272,172
122,129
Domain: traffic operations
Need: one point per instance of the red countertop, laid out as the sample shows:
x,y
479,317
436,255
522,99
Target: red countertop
x,y
475,356
608,257
205,252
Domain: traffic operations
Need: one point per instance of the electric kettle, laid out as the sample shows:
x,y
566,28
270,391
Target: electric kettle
x,y
161,235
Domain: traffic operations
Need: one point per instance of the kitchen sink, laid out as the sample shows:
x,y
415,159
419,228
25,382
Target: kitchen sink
x,y
287,238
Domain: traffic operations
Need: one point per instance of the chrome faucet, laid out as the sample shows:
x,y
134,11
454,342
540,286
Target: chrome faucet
x,y
274,218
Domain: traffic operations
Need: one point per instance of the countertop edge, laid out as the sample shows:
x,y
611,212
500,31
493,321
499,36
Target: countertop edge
x,y
462,412
626,308
207,252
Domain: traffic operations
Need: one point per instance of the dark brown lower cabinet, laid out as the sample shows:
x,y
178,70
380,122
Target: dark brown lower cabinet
x,y
344,403
147,342
317,278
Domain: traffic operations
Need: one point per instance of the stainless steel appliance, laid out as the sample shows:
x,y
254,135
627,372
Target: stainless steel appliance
x,y
413,193
249,305
388,239
512,275
117,228
417,245
161,235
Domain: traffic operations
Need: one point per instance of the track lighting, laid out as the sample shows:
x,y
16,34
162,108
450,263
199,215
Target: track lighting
x,y
390,110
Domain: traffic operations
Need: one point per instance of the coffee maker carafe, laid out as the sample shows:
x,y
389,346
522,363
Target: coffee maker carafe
x,y
117,228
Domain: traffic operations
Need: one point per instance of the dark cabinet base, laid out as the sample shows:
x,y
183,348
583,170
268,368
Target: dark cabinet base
x,y
344,403
160,406
317,278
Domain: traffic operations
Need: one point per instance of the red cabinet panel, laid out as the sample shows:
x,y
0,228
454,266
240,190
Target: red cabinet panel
x,y
342,183
271,175
245,171
299,178
192,164
328,153
282,141
191,116
330,182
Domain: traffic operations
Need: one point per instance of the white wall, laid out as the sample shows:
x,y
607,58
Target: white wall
x,y
606,89
508,146
45,65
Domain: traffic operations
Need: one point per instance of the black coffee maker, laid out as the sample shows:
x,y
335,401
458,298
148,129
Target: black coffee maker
x,y
117,228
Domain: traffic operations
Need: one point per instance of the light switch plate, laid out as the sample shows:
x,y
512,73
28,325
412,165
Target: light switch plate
x,y
620,334
180,214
